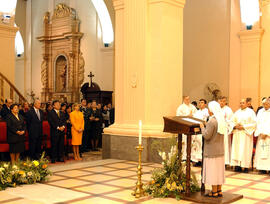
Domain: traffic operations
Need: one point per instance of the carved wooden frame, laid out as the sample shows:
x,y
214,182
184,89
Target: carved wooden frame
x,y
61,37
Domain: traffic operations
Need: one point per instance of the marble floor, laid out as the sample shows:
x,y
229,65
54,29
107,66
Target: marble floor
x,y
112,181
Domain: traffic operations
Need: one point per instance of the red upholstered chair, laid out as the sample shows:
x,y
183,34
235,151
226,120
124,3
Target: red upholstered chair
x,y
4,146
26,143
46,135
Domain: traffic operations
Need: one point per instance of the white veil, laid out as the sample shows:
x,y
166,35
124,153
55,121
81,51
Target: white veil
x,y
215,108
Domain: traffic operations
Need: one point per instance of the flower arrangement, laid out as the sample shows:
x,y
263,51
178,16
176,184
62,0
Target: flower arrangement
x,y
170,179
24,172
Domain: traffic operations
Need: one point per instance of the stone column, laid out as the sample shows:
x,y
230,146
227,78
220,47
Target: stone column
x,y
265,48
250,64
148,71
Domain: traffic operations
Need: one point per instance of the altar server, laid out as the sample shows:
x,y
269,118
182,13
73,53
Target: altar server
x,y
228,114
185,109
262,156
244,123
202,114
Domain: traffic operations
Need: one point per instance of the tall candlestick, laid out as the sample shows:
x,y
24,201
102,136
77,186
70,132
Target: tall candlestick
x,y
140,132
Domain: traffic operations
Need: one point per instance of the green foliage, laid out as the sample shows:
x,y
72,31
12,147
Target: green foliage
x,y
23,172
170,179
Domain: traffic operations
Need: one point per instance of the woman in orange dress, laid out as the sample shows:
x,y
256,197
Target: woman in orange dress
x,y
77,122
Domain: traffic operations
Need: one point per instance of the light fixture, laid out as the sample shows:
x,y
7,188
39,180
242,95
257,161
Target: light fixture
x,y
105,21
250,12
7,10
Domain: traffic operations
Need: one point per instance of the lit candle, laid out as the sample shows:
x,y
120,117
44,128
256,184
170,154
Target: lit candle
x,y
140,132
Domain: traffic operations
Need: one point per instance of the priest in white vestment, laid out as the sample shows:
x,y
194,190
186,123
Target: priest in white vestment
x,y
262,155
228,114
185,109
244,124
196,149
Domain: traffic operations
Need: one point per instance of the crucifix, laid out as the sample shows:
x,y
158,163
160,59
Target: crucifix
x,y
264,145
91,76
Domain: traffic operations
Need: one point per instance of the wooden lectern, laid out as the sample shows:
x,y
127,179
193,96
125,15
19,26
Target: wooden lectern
x,y
191,126
188,126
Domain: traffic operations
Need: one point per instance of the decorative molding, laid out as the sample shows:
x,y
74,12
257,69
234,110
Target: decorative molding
x,y
132,130
265,2
62,10
118,4
178,3
8,31
251,35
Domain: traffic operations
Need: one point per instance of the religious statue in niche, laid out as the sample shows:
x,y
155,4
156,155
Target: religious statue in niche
x,y
61,74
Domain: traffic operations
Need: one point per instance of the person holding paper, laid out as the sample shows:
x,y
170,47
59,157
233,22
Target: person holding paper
x,y
214,163
262,155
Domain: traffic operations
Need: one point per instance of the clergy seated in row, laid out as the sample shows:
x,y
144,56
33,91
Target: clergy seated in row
x,y
262,155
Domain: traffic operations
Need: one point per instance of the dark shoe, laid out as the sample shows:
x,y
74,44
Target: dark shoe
x,y
53,161
262,172
212,194
220,194
227,167
198,164
246,170
238,169
60,160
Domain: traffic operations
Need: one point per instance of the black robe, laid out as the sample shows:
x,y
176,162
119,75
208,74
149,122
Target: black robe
x,y
95,127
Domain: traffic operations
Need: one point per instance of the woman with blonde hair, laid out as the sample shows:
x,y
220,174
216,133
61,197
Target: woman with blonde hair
x,y
77,122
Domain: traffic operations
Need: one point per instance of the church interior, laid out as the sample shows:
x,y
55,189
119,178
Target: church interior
x,y
141,59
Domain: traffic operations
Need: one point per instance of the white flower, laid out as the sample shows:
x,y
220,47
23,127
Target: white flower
x,y
159,153
29,173
12,172
163,156
2,169
162,163
170,155
5,165
173,150
15,167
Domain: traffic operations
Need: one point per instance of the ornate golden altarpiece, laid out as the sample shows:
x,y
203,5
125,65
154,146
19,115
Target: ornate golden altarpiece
x,y
62,68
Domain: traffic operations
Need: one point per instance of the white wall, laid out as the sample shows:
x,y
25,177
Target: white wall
x,y
206,46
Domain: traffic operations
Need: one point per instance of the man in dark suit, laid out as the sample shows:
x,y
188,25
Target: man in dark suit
x,y
5,111
111,111
57,121
34,118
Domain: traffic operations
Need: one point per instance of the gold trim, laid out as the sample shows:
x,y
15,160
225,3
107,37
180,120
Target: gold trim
x,y
178,3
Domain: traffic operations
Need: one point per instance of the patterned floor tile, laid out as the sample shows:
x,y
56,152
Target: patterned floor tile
x,y
69,183
97,189
72,173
